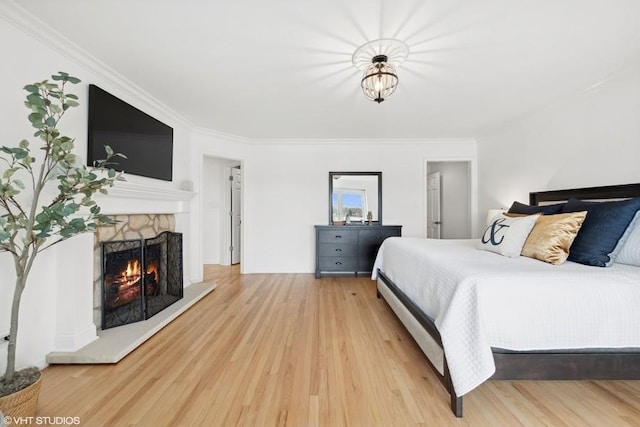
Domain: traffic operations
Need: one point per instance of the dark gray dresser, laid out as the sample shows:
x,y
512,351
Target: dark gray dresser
x,y
350,249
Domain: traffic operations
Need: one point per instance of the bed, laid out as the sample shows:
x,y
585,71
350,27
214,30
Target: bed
x,y
478,316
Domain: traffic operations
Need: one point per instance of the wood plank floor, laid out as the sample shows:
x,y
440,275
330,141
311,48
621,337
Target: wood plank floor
x,y
287,349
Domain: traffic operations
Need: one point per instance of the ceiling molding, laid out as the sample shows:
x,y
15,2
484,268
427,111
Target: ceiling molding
x,y
337,141
222,135
360,141
18,17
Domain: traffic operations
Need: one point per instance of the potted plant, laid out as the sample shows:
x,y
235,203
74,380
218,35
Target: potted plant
x,y
35,215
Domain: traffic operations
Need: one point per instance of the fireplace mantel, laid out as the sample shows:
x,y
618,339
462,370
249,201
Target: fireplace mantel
x,y
132,198
76,322
140,191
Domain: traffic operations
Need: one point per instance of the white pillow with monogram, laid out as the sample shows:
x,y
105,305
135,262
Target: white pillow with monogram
x,y
506,235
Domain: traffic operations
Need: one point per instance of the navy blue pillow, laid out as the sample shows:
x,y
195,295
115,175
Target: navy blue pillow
x,y
521,208
605,223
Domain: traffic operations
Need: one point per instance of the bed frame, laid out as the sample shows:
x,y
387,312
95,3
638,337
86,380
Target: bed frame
x,y
610,364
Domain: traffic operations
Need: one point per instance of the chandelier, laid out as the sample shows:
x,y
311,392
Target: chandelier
x,y
377,58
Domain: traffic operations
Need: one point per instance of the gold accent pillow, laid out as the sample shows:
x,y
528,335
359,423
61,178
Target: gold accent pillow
x,y
552,236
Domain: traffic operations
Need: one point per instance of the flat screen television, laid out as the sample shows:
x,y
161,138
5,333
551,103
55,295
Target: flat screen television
x,y
147,142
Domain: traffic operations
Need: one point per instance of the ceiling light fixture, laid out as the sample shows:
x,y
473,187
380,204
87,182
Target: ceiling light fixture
x,y
379,59
380,79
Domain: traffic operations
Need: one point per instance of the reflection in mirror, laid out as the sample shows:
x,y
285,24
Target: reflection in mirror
x,y
353,196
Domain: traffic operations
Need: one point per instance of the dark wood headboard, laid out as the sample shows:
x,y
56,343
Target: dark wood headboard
x,y
624,191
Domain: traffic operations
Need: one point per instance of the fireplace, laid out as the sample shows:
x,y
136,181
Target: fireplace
x,y
140,278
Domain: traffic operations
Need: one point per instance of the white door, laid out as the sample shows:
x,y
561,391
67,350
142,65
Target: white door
x,y
236,219
434,220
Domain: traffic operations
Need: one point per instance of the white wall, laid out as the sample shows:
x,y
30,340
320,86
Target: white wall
x,y
287,192
34,58
588,139
212,209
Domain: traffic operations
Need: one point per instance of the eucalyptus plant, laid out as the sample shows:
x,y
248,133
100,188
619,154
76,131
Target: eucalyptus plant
x,y
34,214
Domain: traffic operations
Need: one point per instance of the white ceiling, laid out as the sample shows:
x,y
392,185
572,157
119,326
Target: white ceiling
x,y
282,69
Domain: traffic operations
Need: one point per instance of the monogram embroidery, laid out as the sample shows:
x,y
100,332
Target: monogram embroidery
x,y
494,230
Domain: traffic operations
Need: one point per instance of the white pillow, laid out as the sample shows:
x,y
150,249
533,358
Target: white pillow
x,y
630,250
492,214
506,235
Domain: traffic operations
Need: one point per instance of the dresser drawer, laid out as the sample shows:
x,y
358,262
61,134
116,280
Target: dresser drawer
x,y
369,242
337,263
337,249
338,236
376,237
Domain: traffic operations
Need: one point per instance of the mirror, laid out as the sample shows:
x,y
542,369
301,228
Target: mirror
x,y
353,195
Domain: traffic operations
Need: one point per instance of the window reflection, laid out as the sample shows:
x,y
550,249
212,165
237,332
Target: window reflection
x,y
350,205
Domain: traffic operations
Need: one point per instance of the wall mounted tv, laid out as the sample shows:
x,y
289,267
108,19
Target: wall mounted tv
x,y
147,142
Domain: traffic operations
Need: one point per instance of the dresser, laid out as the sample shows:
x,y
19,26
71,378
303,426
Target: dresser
x,y
350,249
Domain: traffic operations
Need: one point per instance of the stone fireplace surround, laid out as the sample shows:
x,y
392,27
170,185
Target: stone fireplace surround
x,y
128,227
144,211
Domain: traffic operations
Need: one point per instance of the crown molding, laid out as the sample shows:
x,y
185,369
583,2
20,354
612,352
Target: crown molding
x,y
331,141
222,135
18,17
360,141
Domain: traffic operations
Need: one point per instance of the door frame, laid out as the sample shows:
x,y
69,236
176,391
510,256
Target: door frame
x,y
473,190
229,219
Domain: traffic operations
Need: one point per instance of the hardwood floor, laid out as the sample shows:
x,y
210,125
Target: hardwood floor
x,y
287,349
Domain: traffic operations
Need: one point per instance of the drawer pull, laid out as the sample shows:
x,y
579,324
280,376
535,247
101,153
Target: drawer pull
x,y
338,263
338,250
338,236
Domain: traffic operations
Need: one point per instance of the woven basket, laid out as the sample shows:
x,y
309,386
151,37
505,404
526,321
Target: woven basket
x,y
22,403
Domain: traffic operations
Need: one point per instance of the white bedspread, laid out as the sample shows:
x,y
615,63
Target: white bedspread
x,y
480,300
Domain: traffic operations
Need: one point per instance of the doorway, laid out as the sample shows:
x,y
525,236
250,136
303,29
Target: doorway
x,y
221,211
449,199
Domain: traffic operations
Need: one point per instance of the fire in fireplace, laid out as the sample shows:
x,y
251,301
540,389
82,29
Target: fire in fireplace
x,y
140,278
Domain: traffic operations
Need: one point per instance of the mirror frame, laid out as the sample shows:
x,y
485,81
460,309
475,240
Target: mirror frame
x,y
376,174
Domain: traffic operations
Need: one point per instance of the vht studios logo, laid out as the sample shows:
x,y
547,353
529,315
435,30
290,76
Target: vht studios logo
x,y
8,420
495,231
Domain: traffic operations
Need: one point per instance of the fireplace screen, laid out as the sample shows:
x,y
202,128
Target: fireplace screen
x,y
140,278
